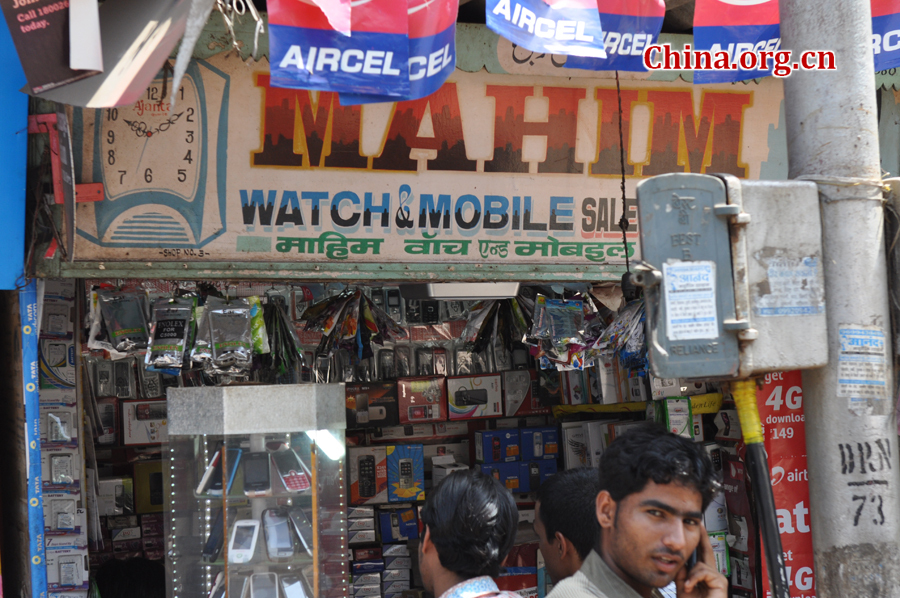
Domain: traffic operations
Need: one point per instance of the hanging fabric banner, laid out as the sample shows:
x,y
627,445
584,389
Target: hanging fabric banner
x,y
337,12
570,27
629,26
306,53
886,34
432,51
735,27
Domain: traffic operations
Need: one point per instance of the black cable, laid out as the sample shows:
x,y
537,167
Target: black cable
x,y
623,220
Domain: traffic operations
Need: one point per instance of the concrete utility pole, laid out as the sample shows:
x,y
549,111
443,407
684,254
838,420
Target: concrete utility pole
x,y
851,434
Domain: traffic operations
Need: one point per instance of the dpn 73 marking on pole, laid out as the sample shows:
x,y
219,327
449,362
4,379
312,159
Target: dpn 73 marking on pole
x,y
865,458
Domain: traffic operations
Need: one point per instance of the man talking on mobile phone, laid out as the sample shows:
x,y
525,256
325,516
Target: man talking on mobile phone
x,y
654,487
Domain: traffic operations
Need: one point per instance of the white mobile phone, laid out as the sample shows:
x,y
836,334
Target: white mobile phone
x,y
293,587
264,585
279,543
538,444
243,541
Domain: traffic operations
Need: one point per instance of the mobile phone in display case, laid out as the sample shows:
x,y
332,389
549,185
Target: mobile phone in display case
x,y
394,305
277,530
413,312
302,527
154,411
386,364
431,312
257,481
534,476
264,585
538,444
424,362
243,541
401,362
290,469
366,476
292,587
216,538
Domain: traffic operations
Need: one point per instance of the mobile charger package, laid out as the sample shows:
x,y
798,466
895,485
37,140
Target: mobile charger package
x,y
497,446
539,443
368,475
372,405
422,400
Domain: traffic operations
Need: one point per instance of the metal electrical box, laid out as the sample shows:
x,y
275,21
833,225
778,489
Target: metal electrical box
x,y
732,275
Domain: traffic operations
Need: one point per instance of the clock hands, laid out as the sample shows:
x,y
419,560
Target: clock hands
x,y
141,129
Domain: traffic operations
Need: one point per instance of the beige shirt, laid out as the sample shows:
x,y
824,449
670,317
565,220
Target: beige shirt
x,y
595,580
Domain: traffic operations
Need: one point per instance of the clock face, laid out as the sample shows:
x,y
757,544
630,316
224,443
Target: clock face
x,y
147,147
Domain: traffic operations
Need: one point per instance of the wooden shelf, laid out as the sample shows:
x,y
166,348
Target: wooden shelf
x,y
700,404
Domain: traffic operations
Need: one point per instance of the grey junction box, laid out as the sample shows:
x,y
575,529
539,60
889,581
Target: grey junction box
x,y
733,276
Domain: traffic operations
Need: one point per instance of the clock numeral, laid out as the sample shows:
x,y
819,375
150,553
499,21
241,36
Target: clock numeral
x,y
181,90
182,175
190,115
148,175
152,93
190,137
111,157
122,174
187,157
110,137
112,114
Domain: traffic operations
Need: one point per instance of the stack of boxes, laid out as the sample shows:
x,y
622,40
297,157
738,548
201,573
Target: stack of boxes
x,y
520,458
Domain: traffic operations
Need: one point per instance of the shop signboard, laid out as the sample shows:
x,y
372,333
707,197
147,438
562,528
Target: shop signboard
x,y
490,169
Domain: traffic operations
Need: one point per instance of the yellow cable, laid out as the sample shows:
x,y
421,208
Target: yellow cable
x,y
744,392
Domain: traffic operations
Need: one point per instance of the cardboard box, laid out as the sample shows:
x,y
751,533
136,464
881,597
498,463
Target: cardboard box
x,y
595,440
609,389
534,473
547,389
715,517
152,525
57,363
144,422
527,421
496,446
394,587
398,525
372,405
699,435
539,443
372,461
518,394
405,473
437,431
354,525
126,533
676,415
458,450
594,384
361,513
473,397
149,495
397,575
366,579
367,591
397,562
576,391
364,536
366,554
398,549
638,391
361,567
444,466
506,473
575,454
422,400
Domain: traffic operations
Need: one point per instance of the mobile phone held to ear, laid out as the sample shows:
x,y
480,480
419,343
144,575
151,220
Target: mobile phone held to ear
x,y
256,474
243,541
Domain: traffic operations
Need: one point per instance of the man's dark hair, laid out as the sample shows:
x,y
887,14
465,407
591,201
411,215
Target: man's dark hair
x,y
472,519
131,578
569,506
649,452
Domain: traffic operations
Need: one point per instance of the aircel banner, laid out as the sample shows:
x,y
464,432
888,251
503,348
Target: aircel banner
x,y
338,14
432,50
570,27
886,34
735,26
307,53
629,26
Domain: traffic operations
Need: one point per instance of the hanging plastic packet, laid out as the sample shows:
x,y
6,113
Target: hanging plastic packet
x,y
306,53
540,325
170,332
728,32
629,26
387,330
432,50
500,340
566,321
230,335
258,326
125,320
570,27
479,315
350,318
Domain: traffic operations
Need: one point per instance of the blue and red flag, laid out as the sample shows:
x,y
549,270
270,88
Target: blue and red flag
x,y
629,26
735,26
570,27
886,34
307,53
432,50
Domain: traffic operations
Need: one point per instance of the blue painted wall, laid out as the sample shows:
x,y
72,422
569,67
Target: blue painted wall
x,y
13,161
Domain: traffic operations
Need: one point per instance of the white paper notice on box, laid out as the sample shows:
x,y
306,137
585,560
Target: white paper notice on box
x,y
690,300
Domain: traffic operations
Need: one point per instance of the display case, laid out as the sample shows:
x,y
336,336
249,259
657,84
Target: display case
x,y
255,480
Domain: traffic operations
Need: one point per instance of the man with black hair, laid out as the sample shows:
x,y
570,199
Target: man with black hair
x,y
470,526
565,520
654,487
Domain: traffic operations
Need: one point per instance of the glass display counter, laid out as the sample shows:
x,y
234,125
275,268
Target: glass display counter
x,y
255,480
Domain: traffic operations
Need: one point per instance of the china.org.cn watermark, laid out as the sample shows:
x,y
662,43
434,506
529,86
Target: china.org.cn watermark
x,y
781,62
